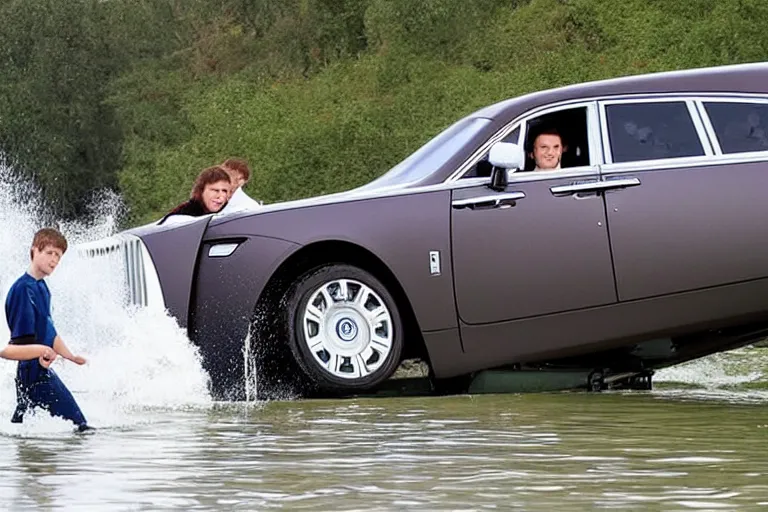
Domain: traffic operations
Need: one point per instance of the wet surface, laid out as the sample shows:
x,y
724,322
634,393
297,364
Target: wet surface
x,y
669,449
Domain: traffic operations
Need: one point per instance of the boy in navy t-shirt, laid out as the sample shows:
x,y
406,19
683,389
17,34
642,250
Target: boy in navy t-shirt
x,y
34,340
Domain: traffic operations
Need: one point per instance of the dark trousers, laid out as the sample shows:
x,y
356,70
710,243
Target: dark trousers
x,y
42,388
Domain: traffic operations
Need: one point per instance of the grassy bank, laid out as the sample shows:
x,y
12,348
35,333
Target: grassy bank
x,y
320,96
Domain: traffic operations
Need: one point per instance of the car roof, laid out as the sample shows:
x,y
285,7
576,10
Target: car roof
x,y
750,78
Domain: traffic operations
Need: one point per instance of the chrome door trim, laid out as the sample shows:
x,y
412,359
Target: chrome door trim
x,y
708,126
701,130
494,201
594,186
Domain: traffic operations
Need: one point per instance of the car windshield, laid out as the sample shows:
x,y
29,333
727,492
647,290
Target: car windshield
x,y
432,155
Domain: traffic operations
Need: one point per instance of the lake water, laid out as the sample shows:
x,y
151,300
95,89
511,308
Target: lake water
x,y
662,450
696,442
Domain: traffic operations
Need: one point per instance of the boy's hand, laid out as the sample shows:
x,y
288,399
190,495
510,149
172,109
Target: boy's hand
x,y
48,357
79,360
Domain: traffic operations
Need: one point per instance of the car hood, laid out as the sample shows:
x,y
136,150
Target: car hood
x,y
356,194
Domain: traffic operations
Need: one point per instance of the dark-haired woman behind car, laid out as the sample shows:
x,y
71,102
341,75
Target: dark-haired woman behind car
x,y
209,194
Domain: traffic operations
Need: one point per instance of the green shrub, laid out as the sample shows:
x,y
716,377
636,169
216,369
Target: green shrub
x,y
319,95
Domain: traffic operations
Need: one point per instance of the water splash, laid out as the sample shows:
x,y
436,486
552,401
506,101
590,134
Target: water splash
x,y
732,369
138,359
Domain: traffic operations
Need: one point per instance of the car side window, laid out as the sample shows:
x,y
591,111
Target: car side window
x,y
513,136
739,127
649,131
572,127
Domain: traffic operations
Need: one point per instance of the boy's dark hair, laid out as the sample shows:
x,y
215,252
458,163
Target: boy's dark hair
x,y
239,166
206,177
550,130
48,236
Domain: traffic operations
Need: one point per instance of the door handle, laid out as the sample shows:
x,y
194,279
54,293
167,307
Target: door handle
x,y
595,186
489,202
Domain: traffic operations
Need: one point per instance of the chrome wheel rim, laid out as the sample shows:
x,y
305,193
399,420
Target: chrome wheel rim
x,y
347,328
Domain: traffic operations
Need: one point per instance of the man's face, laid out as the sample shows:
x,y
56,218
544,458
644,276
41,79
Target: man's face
x,y
45,261
547,151
215,195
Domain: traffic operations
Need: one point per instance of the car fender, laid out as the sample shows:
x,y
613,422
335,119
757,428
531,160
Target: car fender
x,y
404,231
173,250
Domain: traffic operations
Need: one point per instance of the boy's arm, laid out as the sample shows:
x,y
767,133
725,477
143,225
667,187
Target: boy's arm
x,y
26,352
61,348
20,315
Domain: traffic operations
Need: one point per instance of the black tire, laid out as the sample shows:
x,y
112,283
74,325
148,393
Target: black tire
x,y
297,299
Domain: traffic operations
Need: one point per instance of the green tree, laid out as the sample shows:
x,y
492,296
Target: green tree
x,y
319,95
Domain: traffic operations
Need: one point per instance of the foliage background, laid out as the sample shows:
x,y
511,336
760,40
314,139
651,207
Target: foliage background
x,y
318,95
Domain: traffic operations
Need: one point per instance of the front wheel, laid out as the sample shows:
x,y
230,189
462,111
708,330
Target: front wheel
x,y
344,328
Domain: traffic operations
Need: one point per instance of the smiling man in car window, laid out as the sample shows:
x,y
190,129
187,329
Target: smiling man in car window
x,y
547,150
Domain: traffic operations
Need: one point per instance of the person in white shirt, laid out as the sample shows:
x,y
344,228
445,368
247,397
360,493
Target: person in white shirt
x,y
239,173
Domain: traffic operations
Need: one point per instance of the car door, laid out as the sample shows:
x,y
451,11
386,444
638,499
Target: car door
x,y
696,218
538,247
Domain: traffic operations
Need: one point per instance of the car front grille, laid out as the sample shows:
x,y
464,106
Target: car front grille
x,y
141,284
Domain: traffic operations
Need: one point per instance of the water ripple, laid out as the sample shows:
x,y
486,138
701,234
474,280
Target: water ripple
x,y
532,452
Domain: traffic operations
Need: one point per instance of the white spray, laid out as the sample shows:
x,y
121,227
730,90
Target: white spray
x,y
138,359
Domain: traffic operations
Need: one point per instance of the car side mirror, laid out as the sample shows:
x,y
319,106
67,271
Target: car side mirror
x,y
506,158
499,179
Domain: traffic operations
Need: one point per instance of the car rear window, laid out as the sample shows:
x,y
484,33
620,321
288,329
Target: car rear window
x,y
739,127
649,131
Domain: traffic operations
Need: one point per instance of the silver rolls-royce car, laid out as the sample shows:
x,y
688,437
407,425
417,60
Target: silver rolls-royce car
x,y
642,248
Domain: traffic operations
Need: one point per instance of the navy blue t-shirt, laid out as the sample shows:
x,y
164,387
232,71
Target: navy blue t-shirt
x,y
28,311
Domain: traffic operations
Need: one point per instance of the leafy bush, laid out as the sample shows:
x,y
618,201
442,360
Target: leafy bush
x,y
319,95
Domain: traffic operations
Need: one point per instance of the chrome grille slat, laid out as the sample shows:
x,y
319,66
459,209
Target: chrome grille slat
x,y
142,287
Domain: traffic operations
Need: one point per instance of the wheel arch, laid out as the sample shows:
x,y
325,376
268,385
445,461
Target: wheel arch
x,y
343,252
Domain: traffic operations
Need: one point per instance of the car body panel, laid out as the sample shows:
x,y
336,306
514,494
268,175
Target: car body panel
x,y
546,253
400,230
446,355
174,250
579,333
226,291
689,228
